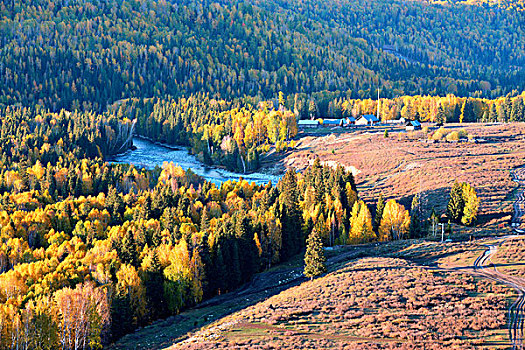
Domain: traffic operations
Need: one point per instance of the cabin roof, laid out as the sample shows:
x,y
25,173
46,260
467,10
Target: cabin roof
x,y
308,122
370,117
332,121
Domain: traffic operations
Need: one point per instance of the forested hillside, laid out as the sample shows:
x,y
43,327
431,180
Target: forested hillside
x,y
87,54
89,250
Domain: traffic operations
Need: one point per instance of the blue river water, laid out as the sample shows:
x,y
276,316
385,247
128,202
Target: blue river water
x,y
148,155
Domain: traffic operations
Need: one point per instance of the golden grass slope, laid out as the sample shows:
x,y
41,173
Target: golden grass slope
x,y
370,303
401,165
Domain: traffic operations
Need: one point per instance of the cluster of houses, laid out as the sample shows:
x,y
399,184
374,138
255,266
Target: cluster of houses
x,y
364,120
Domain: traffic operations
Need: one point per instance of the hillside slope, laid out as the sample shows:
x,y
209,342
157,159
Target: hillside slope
x,y
370,303
86,54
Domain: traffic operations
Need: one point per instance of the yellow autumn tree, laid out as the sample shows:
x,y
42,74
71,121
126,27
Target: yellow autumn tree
x,y
83,315
471,200
360,224
395,222
130,285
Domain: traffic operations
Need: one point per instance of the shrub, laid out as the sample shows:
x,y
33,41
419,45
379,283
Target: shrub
x,y
453,136
439,134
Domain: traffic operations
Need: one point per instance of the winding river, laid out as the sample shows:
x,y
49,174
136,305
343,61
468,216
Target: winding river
x,y
148,155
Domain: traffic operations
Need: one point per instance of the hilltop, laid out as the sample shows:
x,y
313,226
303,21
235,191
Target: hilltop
x,y
88,54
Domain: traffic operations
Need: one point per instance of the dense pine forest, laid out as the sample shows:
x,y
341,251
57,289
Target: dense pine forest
x,y
88,54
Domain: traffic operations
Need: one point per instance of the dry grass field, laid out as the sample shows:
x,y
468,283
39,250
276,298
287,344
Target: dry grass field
x,y
401,165
369,303
510,257
412,294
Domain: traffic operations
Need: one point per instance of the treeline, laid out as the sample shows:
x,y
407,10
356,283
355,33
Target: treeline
x,y
229,133
88,54
31,134
441,109
515,5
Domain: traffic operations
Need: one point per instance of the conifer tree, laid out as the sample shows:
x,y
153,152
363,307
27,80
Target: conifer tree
x,y
128,249
291,219
415,218
314,259
154,287
379,211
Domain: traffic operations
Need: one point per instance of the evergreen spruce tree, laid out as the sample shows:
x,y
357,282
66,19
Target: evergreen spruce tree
x,y
291,219
415,218
314,259
128,249
154,288
467,112
379,212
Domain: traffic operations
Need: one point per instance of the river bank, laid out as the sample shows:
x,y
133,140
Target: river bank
x,y
148,154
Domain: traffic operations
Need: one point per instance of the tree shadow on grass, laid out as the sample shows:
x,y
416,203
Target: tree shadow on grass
x,y
164,333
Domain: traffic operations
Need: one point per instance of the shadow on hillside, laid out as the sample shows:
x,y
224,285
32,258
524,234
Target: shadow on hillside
x,y
164,333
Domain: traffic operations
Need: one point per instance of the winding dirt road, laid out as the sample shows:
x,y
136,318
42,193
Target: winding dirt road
x,y
485,267
518,176
516,314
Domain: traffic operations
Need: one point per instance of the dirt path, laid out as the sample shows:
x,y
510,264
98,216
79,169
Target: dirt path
x,y
518,176
516,314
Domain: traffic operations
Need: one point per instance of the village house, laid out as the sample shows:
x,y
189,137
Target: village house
x,y
412,125
367,119
332,123
307,123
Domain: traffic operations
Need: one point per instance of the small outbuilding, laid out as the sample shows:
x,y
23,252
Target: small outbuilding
x,y
412,125
332,123
367,119
400,121
306,124
349,121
